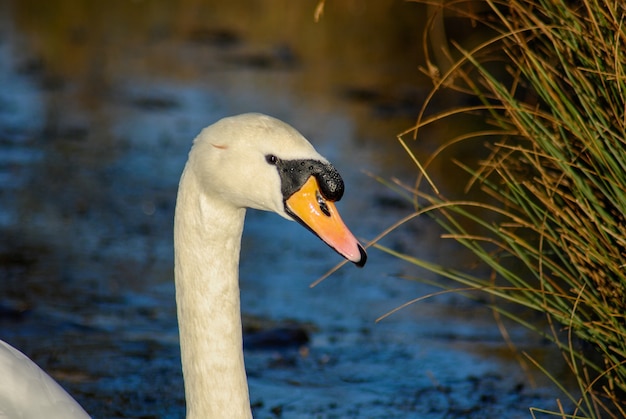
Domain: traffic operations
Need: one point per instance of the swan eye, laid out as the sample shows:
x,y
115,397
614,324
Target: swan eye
x,y
271,159
322,203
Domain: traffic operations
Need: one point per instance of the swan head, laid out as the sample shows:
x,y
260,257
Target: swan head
x,y
256,161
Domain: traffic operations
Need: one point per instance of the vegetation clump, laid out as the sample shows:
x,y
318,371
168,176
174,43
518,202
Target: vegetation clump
x,y
550,82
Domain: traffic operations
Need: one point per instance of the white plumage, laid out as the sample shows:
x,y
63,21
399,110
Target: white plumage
x,y
246,161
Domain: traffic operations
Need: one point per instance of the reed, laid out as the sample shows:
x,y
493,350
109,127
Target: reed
x,y
551,228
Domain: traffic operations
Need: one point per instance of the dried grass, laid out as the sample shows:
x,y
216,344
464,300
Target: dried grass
x,y
555,178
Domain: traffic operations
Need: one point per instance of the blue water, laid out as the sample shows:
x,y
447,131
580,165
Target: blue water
x,y
95,126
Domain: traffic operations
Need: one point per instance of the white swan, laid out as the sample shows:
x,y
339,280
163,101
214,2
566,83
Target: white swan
x,y
245,161
27,392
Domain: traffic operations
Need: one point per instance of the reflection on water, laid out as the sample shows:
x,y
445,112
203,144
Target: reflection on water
x,y
98,107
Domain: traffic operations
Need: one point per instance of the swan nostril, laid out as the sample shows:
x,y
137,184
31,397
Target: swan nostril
x,y
322,203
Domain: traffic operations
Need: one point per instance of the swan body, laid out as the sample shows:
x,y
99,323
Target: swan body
x,y
28,392
245,161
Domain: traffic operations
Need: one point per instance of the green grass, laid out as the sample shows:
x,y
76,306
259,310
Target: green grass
x,y
551,228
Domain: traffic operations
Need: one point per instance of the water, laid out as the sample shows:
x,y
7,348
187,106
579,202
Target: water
x,y
99,103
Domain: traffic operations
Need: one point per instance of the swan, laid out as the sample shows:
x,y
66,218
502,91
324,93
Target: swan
x,y
245,161
27,392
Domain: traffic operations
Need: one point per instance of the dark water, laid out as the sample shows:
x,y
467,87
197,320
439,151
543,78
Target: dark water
x,y
99,102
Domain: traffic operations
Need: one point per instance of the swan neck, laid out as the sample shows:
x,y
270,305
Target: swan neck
x,y
207,242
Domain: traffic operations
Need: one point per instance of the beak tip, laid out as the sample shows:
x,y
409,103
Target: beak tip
x,y
363,257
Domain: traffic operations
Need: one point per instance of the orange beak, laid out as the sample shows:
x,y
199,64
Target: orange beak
x,y
312,210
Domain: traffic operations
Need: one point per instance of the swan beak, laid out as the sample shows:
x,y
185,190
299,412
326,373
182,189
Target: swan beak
x,y
312,210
